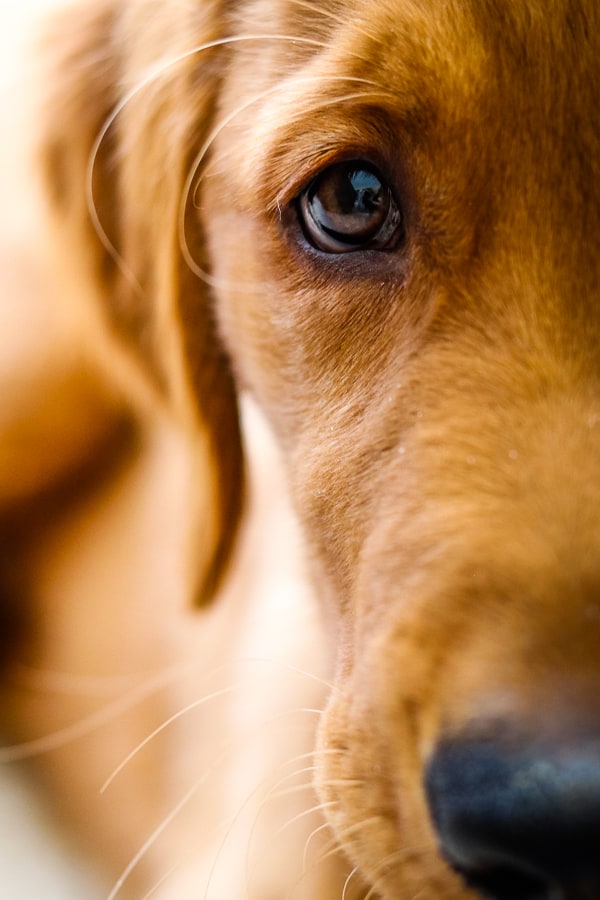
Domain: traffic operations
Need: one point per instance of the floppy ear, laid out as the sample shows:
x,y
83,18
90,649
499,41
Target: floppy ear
x,y
130,101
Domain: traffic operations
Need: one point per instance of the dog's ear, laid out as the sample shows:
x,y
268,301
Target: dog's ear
x,y
130,98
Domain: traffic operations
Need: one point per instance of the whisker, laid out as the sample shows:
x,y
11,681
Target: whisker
x,y
86,726
347,882
154,75
233,821
123,704
420,894
190,707
344,782
335,846
296,789
195,704
177,808
49,681
188,190
291,668
205,699
397,856
323,827
162,880
94,721
319,807
390,860
244,806
273,793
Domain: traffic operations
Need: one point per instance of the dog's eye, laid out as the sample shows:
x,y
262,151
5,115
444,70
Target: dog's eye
x,y
349,207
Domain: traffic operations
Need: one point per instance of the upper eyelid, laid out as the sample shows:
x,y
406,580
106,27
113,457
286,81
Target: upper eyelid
x,y
293,157
307,174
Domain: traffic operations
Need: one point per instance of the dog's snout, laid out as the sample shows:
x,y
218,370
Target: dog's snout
x,y
519,822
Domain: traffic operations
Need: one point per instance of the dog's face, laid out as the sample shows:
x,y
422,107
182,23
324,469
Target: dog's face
x,y
405,247
393,217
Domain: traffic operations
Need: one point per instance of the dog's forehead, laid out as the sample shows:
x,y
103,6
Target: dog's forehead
x,y
494,101
401,37
482,114
529,72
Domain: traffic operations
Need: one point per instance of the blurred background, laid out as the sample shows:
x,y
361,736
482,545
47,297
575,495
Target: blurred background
x,y
37,861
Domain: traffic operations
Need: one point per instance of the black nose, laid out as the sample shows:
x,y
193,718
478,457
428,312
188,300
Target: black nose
x,y
519,822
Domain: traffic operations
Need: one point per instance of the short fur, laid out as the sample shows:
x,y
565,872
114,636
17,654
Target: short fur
x,y
437,406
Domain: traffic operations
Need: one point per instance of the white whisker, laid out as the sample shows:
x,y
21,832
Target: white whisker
x,y
49,681
370,893
389,861
335,846
94,721
154,75
300,85
290,668
319,807
323,827
296,789
419,894
162,880
177,808
244,806
347,882
195,704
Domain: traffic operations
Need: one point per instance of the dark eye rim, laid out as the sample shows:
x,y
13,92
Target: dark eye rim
x,y
385,239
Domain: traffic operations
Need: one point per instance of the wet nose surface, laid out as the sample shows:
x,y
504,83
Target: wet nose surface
x,y
519,823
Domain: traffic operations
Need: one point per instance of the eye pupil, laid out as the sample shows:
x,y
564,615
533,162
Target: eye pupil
x,y
360,192
349,207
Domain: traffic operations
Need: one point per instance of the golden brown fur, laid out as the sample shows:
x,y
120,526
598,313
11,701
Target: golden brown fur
x,y
436,402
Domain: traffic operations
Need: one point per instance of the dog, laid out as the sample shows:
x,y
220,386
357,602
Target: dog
x,y
379,220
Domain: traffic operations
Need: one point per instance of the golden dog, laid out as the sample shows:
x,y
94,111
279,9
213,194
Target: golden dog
x,y
380,219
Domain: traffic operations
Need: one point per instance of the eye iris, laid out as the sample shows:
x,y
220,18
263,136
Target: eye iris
x,y
349,207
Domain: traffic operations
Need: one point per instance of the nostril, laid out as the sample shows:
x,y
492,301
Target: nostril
x,y
519,823
508,884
